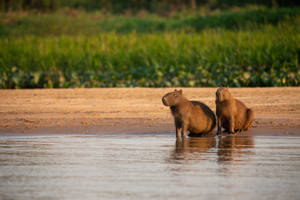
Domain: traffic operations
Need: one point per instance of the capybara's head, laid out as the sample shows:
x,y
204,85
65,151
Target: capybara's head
x,y
172,98
223,94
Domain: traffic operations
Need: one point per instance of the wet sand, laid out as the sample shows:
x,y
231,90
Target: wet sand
x,y
134,110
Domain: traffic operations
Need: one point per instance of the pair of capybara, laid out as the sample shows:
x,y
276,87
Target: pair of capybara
x,y
199,119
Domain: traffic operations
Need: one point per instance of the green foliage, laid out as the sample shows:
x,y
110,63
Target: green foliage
x,y
42,5
72,22
121,6
268,56
248,19
72,48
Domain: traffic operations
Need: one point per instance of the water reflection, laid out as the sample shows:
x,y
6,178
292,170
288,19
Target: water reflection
x,y
232,148
149,167
191,148
225,148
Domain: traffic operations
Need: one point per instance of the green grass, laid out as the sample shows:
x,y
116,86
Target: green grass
x,y
72,22
265,57
248,48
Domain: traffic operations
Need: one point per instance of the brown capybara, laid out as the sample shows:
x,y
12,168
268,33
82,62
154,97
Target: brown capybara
x,y
192,116
232,114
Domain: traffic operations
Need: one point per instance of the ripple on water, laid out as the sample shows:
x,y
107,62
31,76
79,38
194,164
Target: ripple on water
x,y
149,167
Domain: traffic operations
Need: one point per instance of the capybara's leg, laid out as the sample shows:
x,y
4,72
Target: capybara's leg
x,y
178,131
178,143
178,128
219,125
183,131
212,132
231,124
250,118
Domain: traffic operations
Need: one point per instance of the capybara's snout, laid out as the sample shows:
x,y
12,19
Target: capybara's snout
x,y
164,101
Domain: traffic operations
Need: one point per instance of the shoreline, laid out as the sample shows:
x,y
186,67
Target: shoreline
x,y
96,131
135,110
261,131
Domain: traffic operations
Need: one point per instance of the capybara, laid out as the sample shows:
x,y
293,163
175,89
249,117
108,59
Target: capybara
x,y
192,116
232,114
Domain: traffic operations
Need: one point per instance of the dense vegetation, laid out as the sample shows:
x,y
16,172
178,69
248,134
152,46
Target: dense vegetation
x,y
71,48
134,6
72,22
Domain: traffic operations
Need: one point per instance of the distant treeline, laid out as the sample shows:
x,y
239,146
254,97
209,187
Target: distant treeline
x,y
122,6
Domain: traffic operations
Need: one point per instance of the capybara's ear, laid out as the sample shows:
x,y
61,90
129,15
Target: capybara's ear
x,y
220,97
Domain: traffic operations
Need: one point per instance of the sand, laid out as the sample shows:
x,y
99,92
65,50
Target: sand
x,y
134,110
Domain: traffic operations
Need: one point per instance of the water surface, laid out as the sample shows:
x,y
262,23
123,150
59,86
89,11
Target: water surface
x,y
149,167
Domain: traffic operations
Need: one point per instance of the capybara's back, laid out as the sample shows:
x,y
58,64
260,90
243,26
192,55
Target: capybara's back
x,y
250,119
210,120
244,116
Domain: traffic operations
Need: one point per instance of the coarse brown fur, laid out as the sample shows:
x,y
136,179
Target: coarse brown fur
x,y
232,114
192,116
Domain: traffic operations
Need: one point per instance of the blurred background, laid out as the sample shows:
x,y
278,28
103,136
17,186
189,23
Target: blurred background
x,y
149,43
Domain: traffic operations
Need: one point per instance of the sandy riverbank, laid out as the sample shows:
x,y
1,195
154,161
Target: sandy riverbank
x,y
134,110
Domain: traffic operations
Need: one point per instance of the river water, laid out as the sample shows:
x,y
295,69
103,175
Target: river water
x,y
87,167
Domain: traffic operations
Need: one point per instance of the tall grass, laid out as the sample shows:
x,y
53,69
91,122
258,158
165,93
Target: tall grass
x,y
72,22
268,56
